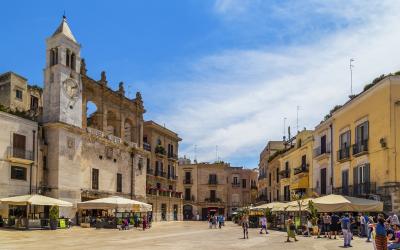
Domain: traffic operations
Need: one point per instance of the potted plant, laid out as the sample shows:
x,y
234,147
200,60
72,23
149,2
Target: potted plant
x,y
54,217
314,216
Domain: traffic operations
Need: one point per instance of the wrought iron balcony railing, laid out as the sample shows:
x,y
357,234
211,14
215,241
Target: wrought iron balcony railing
x,y
322,150
14,152
360,147
302,169
343,153
284,173
146,146
237,184
187,181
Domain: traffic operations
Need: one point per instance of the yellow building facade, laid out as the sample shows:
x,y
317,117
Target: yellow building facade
x,y
296,167
366,134
268,187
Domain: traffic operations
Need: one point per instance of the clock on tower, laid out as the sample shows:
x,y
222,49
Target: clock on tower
x,y
62,80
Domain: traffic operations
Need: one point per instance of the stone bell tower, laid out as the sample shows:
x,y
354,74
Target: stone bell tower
x,y
62,116
62,81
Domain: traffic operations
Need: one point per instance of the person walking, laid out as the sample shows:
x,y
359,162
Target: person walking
x,y
334,225
320,223
370,225
245,226
144,222
345,224
309,226
327,222
210,221
291,229
396,243
219,221
363,222
380,237
393,219
263,225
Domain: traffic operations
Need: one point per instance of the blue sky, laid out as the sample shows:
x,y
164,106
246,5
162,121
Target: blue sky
x,y
218,72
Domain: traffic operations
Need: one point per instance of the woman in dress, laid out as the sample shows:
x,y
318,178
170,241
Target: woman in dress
x,y
380,237
291,229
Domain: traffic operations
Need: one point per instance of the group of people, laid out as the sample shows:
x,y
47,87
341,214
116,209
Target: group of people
x,y
384,233
216,220
144,221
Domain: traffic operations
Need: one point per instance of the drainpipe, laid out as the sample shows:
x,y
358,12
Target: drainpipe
x,y
332,180
132,165
33,155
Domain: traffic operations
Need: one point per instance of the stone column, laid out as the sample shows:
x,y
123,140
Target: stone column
x,y
122,127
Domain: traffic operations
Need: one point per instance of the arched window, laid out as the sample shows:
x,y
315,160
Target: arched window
x,y
73,61
55,56
67,58
51,57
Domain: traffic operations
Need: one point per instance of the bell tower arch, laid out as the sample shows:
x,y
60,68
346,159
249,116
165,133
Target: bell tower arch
x,y
62,80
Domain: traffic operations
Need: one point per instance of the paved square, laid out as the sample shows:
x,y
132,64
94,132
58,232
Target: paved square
x,y
168,235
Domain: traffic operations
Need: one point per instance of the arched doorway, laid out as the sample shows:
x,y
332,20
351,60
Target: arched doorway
x,y
93,118
187,212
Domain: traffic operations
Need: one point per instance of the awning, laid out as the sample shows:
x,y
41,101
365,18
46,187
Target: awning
x,y
115,202
340,203
270,205
300,183
35,199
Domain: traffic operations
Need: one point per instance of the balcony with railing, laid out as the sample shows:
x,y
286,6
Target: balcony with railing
x,y
262,198
343,153
172,177
362,190
172,156
301,169
253,187
213,200
284,173
212,182
20,155
164,193
160,150
146,146
150,171
322,151
236,184
187,181
360,147
160,173
262,176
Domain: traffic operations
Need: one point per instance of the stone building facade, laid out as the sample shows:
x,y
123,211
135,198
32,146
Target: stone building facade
x,y
162,175
89,138
215,188
19,170
267,174
17,94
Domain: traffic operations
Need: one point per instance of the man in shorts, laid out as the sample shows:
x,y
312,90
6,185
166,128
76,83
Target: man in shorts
x,y
327,222
334,225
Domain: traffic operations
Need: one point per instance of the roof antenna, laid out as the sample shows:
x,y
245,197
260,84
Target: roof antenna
x,y
351,76
64,16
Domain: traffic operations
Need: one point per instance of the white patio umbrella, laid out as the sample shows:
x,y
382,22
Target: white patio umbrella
x,y
115,202
35,199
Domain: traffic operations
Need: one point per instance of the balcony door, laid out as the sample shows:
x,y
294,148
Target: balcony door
x,y
19,145
323,180
188,177
362,133
361,179
345,182
213,195
323,144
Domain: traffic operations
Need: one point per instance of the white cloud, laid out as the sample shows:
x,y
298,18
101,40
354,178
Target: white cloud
x,y
237,99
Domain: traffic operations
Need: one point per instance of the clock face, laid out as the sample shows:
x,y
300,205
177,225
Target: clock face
x,y
71,88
